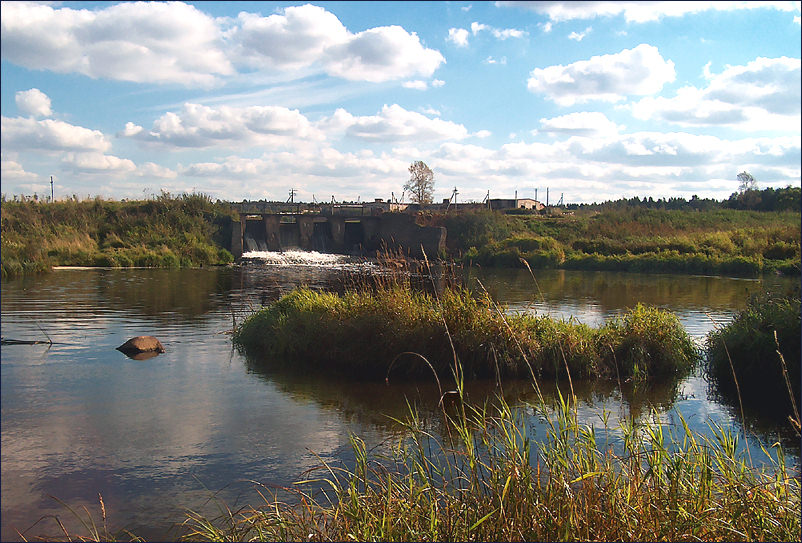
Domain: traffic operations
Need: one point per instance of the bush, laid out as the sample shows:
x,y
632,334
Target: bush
x,y
748,343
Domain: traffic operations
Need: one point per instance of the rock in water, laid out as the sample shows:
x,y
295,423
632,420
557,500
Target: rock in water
x,y
141,344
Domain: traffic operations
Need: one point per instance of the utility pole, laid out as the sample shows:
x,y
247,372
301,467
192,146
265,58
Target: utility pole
x,y
51,189
535,194
291,199
547,196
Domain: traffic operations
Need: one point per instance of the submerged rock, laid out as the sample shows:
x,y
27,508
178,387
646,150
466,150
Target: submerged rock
x,y
141,344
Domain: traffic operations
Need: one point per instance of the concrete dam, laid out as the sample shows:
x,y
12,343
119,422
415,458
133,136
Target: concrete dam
x,y
328,233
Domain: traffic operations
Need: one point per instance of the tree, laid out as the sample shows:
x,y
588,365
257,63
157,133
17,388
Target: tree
x,y
747,182
421,183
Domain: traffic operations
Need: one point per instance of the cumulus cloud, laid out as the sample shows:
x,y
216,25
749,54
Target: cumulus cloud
x,y
579,36
33,102
761,94
417,85
25,134
382,54
638,71
202,126
306,36
636,11
394,124
142,41
97,163
585,123
11,170
458,36
436,83
174,42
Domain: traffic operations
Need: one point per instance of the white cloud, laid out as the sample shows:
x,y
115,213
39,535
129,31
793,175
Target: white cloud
x,y
417,85
202,126
764,93
382,54
797,19
151,169
585,123
33,102
458,36
438,83
579,36
466,8
498,33
546,27
491,60
26,134
297,37
482,134
142,41
97,163
11,170
173,42
637,11
431,111
307,36
609,78
394,124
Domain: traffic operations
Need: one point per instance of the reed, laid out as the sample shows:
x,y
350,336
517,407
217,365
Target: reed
x,y
488,480
761,345
363,332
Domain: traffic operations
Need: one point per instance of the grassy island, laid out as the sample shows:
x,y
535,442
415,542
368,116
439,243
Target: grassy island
x,y
364,334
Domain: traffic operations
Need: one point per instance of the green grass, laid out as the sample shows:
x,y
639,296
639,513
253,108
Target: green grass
x,y
488,480
168,232
716,241
367,333
747,346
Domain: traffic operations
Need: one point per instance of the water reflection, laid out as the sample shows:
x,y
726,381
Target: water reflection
x,y
79,418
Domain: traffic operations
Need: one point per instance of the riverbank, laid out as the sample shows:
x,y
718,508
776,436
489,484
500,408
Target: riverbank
x,y
713,242
191,231
167,232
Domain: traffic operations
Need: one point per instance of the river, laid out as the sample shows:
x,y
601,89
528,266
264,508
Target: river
x,y
200,422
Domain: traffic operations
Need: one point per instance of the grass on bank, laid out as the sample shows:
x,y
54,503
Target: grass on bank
x,y
487,480
719,241
761,346
367,333
169,231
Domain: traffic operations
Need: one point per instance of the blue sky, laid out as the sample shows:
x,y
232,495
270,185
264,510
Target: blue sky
x,y
247,100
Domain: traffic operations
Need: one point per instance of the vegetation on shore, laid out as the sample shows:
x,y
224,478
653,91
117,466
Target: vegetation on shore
x,y
717,241
366,333
169,231
488,480
761,347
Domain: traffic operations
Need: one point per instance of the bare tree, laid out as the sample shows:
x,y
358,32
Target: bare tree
x,y
421,183
747,182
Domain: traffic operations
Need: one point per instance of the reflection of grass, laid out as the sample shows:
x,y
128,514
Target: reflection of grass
x,y
168,232
485,482
747,346
360,334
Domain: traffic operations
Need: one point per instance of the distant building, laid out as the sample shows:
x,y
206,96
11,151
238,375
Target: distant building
x,y
515,203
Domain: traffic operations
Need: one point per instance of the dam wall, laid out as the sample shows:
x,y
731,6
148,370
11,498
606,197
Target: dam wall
x,y
353,235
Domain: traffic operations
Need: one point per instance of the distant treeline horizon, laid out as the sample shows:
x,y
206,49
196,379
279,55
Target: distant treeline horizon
x,y
768,199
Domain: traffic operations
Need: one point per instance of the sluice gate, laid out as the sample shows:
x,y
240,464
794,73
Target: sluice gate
x,y
355,235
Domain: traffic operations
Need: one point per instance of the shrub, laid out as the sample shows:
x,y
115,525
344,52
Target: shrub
x,y
748,344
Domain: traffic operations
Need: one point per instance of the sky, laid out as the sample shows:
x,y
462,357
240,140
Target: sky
x,y
334,100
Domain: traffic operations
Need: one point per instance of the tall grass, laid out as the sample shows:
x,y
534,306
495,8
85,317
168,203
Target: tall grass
x,y
366,333
488,480
718,241
188,230
761,346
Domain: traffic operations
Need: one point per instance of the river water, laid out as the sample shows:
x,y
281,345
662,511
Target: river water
x,y
201,423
